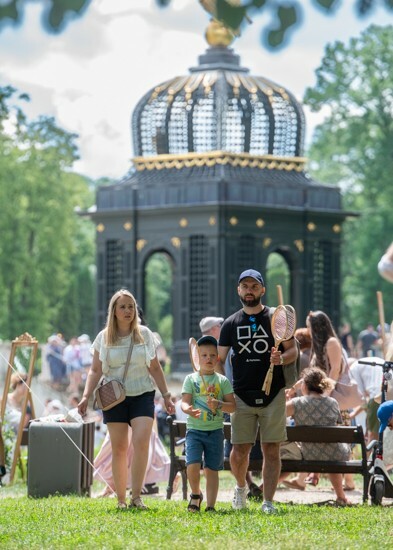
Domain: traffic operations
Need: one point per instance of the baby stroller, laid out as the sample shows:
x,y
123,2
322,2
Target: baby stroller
x,y
380,483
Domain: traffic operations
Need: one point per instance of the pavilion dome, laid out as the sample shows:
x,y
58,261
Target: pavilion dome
x,y
219,106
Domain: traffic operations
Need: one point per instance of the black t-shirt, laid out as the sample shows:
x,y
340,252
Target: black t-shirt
x,y
251,340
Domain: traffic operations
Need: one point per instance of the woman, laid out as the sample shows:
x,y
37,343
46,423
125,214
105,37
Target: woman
x,y
318,409
327,354
110,352
15,400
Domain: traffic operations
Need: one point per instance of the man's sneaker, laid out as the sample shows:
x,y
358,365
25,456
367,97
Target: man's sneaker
x,y
268,508
239,501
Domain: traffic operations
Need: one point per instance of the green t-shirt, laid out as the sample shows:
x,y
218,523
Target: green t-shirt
x,y
217,386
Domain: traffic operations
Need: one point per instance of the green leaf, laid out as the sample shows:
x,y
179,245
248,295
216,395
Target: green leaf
x,y
232,16
10,11
287,17
61,10
328,5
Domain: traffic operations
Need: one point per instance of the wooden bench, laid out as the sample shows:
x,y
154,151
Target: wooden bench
x,y
310,434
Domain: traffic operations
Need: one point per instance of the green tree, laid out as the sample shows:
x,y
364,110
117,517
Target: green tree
x,y
352,148
39,229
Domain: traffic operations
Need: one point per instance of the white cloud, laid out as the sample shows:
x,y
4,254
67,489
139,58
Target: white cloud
x,y
91,76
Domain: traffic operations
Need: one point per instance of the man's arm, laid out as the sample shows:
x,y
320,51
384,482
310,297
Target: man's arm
x,y
289,355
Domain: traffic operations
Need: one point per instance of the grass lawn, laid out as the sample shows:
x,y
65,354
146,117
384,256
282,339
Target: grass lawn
x,y
77,522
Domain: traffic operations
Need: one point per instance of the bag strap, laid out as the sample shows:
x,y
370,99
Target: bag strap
x,y
128,360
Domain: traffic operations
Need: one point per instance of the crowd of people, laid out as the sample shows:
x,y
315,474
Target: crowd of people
x,y
68,362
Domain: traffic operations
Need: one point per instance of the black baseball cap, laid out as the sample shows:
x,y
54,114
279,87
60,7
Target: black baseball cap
x,y
253,274
207,341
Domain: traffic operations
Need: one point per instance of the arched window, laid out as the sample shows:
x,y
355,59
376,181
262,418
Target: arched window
x,y
277,273
158,283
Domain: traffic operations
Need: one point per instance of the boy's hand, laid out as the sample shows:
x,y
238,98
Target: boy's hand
x,y
212,403
196,413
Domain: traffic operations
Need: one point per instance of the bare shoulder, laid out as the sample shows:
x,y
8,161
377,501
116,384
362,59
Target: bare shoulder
x,y
333,343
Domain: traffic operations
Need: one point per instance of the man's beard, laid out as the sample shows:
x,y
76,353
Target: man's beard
x,y
250,303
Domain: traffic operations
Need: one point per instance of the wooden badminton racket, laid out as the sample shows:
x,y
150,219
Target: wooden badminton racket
x,y
283,325
195,359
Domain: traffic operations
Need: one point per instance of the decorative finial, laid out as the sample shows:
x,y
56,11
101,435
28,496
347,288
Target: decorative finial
x,y
218,33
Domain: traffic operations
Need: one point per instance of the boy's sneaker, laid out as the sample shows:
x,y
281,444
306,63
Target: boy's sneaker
x,y
268,508
239,501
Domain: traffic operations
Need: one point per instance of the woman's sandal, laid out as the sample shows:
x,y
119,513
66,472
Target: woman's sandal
x,y
312,479
255,492
122,506
341,502
138,503
195,507
210,509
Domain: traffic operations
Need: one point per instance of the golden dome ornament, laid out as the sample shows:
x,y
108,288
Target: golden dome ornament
x,y
217,34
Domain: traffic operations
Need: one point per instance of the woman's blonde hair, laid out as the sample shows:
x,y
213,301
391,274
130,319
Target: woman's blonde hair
x,y
111,328
316,380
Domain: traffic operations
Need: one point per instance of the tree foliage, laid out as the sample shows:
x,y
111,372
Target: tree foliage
x,y
285,15
353,149
56,14
158,293
43,246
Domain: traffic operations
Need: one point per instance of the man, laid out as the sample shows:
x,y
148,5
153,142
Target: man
x,y
248,333
366,340
369,380
211,326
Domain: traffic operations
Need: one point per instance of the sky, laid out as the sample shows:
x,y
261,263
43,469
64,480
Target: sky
x,y
91,76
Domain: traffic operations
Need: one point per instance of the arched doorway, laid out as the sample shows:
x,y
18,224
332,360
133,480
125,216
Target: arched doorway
x,y
277,273
158,285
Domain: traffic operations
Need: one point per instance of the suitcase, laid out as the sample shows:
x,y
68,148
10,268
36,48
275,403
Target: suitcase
x,y
55,464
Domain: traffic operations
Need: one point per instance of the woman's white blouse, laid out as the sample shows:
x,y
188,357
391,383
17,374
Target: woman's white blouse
x,y
114,358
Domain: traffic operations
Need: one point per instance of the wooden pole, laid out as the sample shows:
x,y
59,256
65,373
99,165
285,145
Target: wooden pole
x,y
280,296
381,314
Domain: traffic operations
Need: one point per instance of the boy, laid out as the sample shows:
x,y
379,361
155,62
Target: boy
x,y
205,434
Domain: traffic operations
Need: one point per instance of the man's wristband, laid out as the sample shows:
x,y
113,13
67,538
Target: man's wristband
x,y
166,394
219,406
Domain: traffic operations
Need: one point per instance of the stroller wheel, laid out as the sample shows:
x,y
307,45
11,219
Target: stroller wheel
x,y
377,491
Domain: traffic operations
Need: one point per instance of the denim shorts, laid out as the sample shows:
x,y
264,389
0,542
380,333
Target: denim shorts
x,y
206,444
131,407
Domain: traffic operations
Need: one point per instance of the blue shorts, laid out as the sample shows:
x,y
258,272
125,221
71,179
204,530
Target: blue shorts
x,y
209,444
131,407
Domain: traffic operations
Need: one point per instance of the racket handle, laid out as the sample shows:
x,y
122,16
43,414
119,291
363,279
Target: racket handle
x,y
268,380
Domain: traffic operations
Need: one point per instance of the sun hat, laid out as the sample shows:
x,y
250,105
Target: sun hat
x,y
208,323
